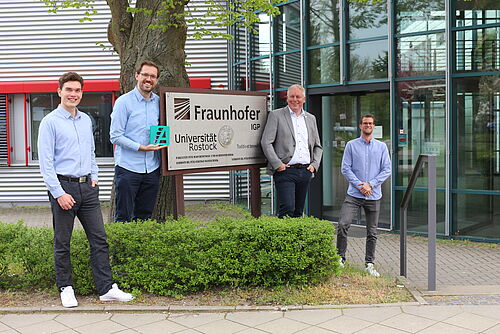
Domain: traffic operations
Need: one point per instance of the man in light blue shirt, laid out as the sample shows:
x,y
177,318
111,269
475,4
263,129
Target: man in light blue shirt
x,y
137,162
365,165
69,170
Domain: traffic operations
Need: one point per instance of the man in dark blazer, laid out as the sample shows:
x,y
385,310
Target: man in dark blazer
x,y
291,144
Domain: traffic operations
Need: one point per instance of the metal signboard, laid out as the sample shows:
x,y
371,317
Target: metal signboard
x,y
212,128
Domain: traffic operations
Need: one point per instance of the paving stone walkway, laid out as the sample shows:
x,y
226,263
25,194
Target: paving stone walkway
x,y
375,319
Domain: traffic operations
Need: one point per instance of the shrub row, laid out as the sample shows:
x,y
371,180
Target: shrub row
x,y
179,257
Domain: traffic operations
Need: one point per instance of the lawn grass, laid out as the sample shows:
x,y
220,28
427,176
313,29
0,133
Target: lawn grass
x,y
352,286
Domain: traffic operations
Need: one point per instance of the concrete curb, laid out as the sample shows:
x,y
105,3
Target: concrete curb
x,y
189,309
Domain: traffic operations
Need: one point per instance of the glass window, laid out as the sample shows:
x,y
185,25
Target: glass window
x,y
280,99
260,72
288,69
421,129
477,143
288,28
368,60
476,12
240,77
4,149
476,215
98,105
324,65
324,22
418,208
478,50
421,55
419,15
240,44
260,41
367,19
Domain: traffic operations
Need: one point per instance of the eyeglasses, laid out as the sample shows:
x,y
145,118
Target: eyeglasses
x,y
150,76
367,123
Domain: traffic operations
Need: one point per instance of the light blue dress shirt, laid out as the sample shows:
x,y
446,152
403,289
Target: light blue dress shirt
x,y
131,119
366,162
66,147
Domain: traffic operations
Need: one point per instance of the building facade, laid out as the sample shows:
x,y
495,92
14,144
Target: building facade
x,y
36,47
429,70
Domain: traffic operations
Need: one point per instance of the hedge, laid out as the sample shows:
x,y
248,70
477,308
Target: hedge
x,y
180,257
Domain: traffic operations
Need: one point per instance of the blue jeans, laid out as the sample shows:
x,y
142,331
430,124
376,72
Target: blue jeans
x,y
135,194
292,185
88,210
349,209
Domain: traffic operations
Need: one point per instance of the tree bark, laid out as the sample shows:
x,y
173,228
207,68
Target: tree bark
x,y
135,42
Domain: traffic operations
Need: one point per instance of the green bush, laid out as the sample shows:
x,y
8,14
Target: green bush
x,y
179,257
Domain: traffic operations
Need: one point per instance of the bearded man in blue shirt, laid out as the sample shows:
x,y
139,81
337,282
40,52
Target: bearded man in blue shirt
x,y
365,165
137,162
66,153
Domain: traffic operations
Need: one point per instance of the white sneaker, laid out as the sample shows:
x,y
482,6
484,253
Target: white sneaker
x,y
115,294
341,263
68,297
370,269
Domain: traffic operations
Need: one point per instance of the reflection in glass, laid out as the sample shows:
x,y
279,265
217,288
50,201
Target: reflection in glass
x,y
260,71
367,19
478,50
477,215
368,60
340,116
476,12
96,105
477,147
421,127
421,55
260,41
477,143
417,210
324,65
340,125
288,28
324,22
421,116
419,15
280,99
240,44
288,67
240,77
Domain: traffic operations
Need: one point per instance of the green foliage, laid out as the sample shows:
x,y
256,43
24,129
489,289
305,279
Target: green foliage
x,y
179,257
87,6
178,13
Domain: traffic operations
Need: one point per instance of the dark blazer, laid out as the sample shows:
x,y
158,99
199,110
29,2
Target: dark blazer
x,y
278,139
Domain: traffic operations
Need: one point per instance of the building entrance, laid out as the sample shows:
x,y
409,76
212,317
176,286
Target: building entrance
x,y
340,116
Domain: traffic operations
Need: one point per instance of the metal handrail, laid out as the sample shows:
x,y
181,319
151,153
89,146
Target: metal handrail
x,y
431,216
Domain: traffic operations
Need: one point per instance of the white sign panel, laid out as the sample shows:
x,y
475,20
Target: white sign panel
x,y
214,130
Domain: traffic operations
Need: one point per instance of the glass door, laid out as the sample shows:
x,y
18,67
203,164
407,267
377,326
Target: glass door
x,y
341,115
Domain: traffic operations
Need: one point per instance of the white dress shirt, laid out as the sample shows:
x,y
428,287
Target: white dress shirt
x,y
301,153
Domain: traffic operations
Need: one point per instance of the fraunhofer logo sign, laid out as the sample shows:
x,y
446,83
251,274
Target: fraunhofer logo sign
x,y
214,129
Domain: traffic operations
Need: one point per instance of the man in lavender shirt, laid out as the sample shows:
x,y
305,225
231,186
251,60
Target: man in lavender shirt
x,y
365,165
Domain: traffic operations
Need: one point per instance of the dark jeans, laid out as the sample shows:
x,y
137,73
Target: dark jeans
x,y
135,194
292,185
88,210
349,209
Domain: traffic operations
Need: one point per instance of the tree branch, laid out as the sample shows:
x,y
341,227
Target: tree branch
x,y
120,25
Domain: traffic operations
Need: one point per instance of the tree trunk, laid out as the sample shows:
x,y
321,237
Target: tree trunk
x,y
135,42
